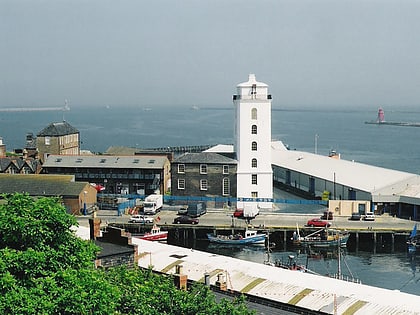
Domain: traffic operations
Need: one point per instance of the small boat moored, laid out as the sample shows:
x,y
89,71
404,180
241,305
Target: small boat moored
x,y
324,237
252,237
155,234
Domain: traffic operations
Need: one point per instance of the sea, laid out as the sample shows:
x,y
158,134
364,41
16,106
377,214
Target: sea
x,y
304,128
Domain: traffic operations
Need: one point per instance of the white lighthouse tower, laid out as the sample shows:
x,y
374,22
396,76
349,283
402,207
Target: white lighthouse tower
x,y
252,134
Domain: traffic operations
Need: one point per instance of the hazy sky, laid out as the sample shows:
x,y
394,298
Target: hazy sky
x,y
195,52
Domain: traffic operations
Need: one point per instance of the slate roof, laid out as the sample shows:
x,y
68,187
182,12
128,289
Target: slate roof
x,y
41,185
57,129
204,157
106,161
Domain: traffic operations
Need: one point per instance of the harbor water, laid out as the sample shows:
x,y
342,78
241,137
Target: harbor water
x,y
305,129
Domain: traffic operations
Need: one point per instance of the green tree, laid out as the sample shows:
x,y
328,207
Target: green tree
x,y
46,269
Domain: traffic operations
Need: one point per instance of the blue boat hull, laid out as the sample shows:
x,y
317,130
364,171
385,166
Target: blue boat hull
x,y
258,239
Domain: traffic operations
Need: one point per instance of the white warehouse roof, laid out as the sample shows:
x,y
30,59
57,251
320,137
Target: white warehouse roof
x,y
302,289
360,176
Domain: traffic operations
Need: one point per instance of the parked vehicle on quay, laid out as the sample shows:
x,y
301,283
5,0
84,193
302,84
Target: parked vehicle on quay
x,y
317,223
196,209
249,211
184,219
140,219
369,216
327,215
152,204
355,216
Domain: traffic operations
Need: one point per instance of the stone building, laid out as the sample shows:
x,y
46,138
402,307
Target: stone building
x,y
204,174
58,139
142,175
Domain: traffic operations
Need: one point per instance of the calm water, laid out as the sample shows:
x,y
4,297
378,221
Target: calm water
x,y
342,130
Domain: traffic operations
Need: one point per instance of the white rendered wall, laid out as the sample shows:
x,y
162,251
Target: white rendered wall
x,y
253,95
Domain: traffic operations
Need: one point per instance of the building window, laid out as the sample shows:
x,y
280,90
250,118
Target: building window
x,y
254,163
254,129
203,168
181,168
226,187
181,184
254,146
254,114
254,194
254,179
225,169
203,184
47,140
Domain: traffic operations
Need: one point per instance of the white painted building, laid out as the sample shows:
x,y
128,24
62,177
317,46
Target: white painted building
x,y
252,136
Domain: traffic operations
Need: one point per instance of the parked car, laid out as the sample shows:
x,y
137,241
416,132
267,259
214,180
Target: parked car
x,y
327,215
184,219
318,223
355,216
182,210
369,216
239,213
140,219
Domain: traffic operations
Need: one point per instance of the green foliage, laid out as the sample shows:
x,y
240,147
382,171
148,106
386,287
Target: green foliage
x,y
46,269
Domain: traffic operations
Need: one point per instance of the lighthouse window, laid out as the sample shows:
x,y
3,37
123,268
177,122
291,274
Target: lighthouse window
x,y
254,163
254,146
254,114
254,179
254,129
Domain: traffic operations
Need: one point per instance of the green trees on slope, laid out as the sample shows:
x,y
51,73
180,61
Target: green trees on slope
x,y
46,269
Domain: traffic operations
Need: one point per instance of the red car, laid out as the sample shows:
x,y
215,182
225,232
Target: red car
x,y
239,213
318,223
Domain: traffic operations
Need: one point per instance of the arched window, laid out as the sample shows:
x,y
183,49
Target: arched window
x,y
254,146
226,187
254,163
254,129
254,113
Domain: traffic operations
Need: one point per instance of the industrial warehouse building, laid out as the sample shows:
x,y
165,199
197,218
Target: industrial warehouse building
x,y
389,191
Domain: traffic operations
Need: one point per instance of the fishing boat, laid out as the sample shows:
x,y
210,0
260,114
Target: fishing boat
x,y
155,234
324,237
413,241
251,237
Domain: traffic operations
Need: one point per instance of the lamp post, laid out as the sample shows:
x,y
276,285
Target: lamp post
x,y
316,143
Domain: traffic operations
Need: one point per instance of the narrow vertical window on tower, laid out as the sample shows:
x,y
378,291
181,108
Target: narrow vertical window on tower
x,y
254,146
254,163
254,91
254,114
226,187
254,179
254,129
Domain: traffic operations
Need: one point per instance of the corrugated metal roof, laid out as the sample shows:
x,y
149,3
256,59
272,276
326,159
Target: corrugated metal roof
x,y
106,161
302,289
352,174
